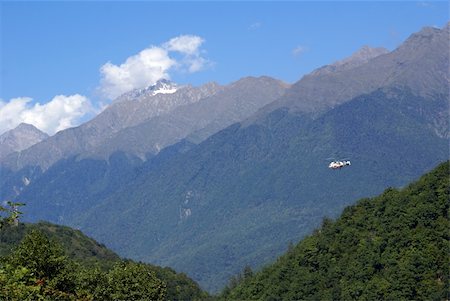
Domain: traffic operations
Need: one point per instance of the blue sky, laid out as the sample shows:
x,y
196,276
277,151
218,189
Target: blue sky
x,y
58,48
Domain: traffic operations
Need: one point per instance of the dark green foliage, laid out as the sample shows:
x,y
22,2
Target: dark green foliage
x,y
391,247
179,286
133,281
13,214
39,255
38,268
76,245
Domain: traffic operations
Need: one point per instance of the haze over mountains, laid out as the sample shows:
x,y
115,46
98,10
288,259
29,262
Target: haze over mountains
x,y
231,195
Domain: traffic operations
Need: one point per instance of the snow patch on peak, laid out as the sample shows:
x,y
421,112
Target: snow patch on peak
x,y
162,86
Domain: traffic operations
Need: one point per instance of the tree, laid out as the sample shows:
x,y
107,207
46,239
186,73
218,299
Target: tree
x,y
13,214
135,281
247,273
37,270
45,260
43,257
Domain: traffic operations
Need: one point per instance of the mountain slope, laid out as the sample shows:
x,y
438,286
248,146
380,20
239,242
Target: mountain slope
x,y
122,114
360,57
70,187
139,124
78,246
144,121
420,63
198,120
20,138
391,247
237,198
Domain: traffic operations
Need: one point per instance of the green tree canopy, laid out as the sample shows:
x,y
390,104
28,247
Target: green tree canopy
x,y
391,247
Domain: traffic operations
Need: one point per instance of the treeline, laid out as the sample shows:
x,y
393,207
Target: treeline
x,y
48,262
391,247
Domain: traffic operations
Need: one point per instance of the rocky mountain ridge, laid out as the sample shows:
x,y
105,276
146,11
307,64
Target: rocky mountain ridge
x,y
419,63
162,86
360,57
20,138
196,121
119,115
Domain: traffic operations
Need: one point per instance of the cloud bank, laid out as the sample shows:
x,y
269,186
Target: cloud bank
x,y
182,53
299,50
60,113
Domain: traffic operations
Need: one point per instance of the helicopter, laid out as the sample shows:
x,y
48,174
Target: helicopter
x,y
339,164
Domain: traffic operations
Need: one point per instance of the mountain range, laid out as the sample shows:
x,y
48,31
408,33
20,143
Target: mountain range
x,y
143,122
208,180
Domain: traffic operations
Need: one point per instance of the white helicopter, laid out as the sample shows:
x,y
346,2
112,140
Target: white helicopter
x,y
339,164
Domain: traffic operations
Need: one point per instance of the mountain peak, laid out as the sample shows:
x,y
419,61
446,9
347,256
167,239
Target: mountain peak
x,y
363,55
162,86
358,58
21,137
26,127
23,128
420,64
253,80
425,36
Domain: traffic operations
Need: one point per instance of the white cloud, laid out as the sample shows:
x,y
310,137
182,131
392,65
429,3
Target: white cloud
x,y
426,4
187,44
138,71
60,113
298,50
255,26
152,64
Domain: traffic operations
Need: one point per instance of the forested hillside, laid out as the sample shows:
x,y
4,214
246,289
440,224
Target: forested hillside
x,y
49,262
391,247
75,244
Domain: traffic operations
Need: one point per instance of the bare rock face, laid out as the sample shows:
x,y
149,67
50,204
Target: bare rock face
x,y
20,138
